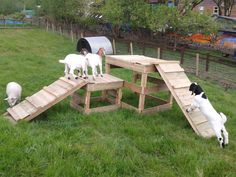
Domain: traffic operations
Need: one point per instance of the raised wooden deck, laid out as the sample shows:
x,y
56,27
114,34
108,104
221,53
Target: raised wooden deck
x,y
111,92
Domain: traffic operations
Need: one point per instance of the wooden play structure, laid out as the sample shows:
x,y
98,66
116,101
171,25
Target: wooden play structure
x,y
171,79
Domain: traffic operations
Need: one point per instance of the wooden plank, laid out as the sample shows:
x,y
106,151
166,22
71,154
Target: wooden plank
x,y
55,90
102,86
20,111
46,96
159,100
13,114
157,108
132,87
28,107
128,106
68,81
63,84
176,75
179,83
35,101
104,108
204,126
171,67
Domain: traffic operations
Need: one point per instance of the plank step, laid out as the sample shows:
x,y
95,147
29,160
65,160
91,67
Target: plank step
x,y
73,83
13,114
173,67
55,90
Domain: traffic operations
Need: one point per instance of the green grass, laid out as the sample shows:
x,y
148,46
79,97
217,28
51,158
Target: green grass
x,y
63,142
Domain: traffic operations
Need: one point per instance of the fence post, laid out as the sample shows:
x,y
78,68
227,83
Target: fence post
x,y
131,48
60,30
158,53
143,49
71,33
207,62
47,25
114,46
197,64
182,55
53,30
81,35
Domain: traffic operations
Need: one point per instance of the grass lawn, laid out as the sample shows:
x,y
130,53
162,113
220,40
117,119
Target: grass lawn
x,y
63,142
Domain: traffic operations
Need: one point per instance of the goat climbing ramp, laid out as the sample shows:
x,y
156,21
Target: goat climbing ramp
x,y
178,83
44,99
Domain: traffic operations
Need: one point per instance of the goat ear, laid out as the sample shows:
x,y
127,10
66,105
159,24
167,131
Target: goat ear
x,y
5,99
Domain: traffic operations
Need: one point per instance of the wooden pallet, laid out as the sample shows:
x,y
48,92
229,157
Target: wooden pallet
x,y
178,83
44,99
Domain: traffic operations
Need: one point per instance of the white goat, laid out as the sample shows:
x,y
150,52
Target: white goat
x,y
95,60
74,61
216,120
13,91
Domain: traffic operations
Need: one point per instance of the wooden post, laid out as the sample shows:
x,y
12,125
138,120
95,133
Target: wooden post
x,y
170,99
207,62
108,68
114,46
81,35
142,94
53,27
47,25
197,64
182,56
131,48
60,30
118,96
158,53
134,77
144,49
71,33
87,102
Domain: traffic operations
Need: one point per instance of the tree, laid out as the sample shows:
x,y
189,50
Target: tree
x,y
185,5
228,6
133,13
225,6
65,10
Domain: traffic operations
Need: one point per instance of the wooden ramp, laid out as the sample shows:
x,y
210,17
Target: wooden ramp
x,y
178,83
44,99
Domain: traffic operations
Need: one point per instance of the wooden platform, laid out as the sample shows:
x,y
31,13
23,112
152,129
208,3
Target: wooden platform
x,y
111,92
141,66
178,83
44,99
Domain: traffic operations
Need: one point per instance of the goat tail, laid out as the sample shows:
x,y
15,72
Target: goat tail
x,y
62,61
224,118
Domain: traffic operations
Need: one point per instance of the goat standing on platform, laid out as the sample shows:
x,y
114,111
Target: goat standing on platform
x,y
75,62
216,119
95,60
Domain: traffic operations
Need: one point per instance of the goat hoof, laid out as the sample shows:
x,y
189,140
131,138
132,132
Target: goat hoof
x,y
101,75
76,77
69,78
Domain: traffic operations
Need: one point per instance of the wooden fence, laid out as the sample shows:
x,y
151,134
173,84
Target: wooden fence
x,y
204,65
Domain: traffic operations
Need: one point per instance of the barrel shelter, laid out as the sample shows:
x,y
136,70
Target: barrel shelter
x,y
92,44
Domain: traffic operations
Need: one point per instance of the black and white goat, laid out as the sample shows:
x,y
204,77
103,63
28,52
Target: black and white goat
x,y
216,119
